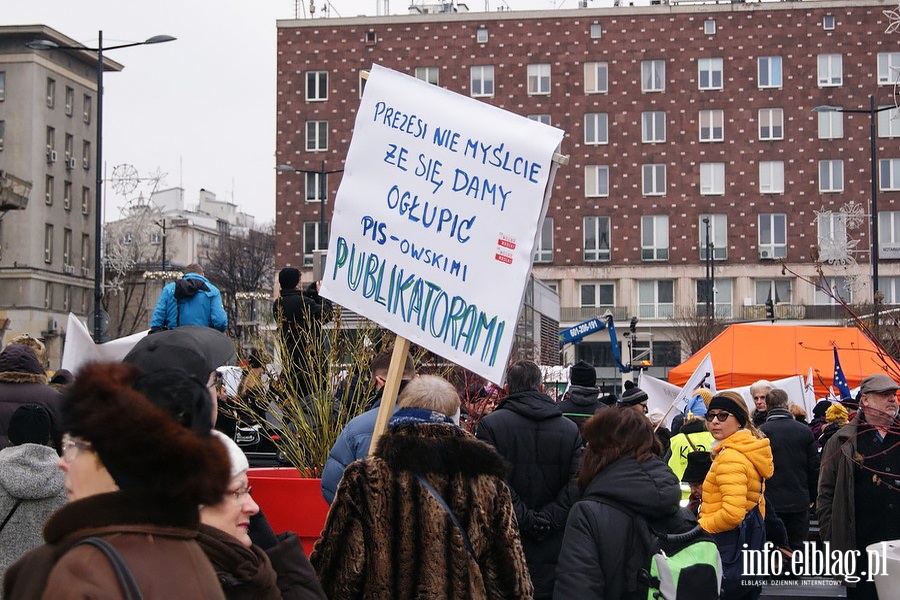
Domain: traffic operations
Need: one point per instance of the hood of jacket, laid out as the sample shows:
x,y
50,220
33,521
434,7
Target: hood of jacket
x,y
582,396
778,413
757,451
18,364
536,406
189,285
30,472
649,488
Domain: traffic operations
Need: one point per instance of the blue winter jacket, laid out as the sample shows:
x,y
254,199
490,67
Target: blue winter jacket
x,y
192,300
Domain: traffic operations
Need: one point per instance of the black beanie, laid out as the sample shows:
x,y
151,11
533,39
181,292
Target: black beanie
x,y
30,424
632,396
722,402
583,374
288,278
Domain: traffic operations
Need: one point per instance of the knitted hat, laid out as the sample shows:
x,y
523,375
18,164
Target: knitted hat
x,y
836,413
583,374
698,464
821,408
705,394
732,403
632,396
288,278
30,424
236,457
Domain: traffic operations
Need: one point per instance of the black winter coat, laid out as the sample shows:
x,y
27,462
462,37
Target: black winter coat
x,y
299,316
580,404
796,457
602,550
543,451
23,381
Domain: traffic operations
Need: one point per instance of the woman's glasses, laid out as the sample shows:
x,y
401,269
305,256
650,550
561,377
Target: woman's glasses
x,y
722,416
71,446
241,493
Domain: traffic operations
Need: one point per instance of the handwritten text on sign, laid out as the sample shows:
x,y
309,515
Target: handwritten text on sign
x,y
436,217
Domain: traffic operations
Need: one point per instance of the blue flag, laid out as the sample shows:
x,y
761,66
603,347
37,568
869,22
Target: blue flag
x,y
839,381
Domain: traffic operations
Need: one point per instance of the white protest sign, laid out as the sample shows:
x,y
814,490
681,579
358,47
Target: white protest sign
x,y
80,349
436,218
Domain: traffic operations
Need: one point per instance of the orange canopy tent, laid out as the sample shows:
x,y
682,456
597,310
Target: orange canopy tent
x,y
746,353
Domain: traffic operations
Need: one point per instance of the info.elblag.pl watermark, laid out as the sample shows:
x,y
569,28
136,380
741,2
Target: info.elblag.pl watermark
x,y
815,560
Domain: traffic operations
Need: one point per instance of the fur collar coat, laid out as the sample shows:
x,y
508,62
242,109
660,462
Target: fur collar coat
x,y
387,537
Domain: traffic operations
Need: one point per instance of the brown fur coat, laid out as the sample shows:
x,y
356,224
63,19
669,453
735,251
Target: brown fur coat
x,y
387,538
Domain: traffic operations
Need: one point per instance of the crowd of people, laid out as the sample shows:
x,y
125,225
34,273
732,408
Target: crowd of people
x,y
115,483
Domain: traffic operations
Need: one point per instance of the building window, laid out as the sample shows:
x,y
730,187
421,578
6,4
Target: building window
x,y
712,126
67,248
482,81
709,26
771,177
316,86
769,71
653,180
720,297
48,243
889,234
87,108
85,200
828,22
428,74
48,190
772,235
831,125
545,119
155,238
48,295
596,77
313,240
85,255
653,127
710,73
481,35
596,181
888,68
70,101
771,124
316,136
831,70
712,179
889,168
2,86
836,289
655,237
67,195
128,238
597,295
543,253
2,132
51,92
316,189
832,234
362,82
70,150
538,80
51,144
888,123
371,38
596,31
67,297
86,155
776,290
718,233
831,176
596,239
656,298
890,287
596,129
653,76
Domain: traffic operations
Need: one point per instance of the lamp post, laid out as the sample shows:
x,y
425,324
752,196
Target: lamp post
x,y
323,194
98,198
709,271
162,225
872,111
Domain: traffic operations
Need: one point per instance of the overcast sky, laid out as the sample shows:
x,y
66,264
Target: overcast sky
x,y
200,109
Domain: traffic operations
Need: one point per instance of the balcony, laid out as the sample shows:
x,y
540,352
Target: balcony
x,y
578,314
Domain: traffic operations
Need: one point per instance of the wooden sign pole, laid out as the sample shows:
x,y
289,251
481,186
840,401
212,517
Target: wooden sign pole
x,y
391,387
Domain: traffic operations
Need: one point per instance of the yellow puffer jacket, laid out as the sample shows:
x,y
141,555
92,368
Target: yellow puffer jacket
x,y
734,482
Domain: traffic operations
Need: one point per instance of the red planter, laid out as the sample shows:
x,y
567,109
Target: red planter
x,y
290,502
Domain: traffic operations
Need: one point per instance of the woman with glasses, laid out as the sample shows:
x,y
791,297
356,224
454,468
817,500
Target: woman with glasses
x,y
733,488
134,478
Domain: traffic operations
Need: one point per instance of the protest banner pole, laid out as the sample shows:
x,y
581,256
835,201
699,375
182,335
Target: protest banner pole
x,y
391,387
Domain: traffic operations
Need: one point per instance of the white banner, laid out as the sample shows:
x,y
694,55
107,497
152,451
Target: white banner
x,y
80,348
436,218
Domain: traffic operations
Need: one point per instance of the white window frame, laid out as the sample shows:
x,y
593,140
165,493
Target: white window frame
x,y
311,228
828,22
838,286
538,79
654,238
653,75
723,292
889,234
712,179
598,289
771,124
429,74
831,230
779,290
656,298
316,86
890,287
718,230
596,181
596,31
653,127
888,68
889,123
543,251
771,177
596,129
889,174
481,81
481,35
772,235
653,179
831,125
712,125
596,77
831,176
545,119
316,185
600,229
769,72
316,136
709,26
830,70
710,73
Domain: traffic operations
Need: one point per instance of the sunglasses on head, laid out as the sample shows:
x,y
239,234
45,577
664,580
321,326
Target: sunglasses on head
x,y
722,416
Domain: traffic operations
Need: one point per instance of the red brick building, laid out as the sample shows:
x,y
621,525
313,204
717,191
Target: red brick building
x,y
673,115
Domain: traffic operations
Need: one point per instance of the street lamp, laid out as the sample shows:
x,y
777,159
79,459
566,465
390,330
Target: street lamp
x,y
872,111
710,273
323,194
98,208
